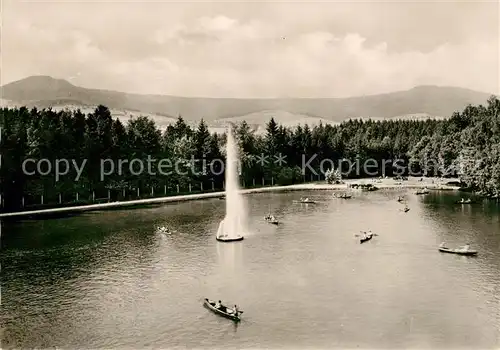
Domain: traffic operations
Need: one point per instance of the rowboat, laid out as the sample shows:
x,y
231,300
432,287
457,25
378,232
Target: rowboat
x,y
343,196
458,251
163,230
226,238
406,209
462,201
424,191
223,311
271,220
307,201
366,239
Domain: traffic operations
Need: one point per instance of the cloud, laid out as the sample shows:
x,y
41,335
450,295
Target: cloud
x,y
241,56
218,23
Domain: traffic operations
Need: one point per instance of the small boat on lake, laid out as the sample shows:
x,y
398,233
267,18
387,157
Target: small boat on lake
x,y
400,199
271,219
366,237
227,238
406,209
464,201
465,250
222,310
423,191
164,230
307,201
343,196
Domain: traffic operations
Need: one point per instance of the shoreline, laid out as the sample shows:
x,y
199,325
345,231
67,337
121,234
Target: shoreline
x,y
429,183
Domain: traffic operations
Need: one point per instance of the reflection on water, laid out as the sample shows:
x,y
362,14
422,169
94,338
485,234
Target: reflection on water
x,y
108,280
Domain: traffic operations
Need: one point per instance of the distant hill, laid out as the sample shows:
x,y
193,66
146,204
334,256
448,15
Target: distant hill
x,y
433,101
258,120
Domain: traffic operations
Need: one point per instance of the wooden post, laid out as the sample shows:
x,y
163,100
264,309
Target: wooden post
x,y
165,188
263,183
178,190
77,196
138,192
23,202
93,196
201,186
60,198
152,191
213,186
190,187
272,181
123,192
109,195
42,199
253,182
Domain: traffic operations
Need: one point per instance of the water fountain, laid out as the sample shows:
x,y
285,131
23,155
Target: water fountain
x,y
232,227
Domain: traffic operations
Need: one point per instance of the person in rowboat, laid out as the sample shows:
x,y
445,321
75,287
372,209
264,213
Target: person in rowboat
x,y
465,248
218,305
442,245
236,310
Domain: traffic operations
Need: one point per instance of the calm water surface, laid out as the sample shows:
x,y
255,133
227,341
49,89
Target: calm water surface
x,y
107,280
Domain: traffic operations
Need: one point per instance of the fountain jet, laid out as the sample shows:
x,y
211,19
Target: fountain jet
x,y
232,227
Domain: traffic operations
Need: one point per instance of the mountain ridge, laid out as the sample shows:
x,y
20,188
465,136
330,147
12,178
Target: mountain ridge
x,y
436,101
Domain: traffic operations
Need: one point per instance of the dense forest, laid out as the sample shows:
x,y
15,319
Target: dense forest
x,y
466,145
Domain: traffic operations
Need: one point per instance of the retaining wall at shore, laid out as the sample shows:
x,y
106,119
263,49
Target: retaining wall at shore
x,y
300,187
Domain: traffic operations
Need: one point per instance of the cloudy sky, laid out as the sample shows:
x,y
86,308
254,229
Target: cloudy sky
x,y
254,49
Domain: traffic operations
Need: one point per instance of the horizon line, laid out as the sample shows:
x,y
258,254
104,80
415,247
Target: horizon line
x,y
243,98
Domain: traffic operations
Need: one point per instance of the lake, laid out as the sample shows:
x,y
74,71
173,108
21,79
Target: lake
x,y
108,280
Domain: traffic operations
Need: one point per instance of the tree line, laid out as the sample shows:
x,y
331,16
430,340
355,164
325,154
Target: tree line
x,y
466,145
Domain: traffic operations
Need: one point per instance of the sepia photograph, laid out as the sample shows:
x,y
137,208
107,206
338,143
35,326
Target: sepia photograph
x,y
250,174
